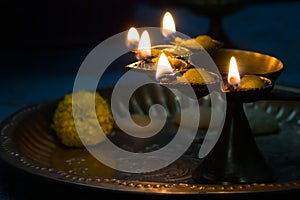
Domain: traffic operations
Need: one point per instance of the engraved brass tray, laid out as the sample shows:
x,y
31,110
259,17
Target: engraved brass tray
x,y
28,143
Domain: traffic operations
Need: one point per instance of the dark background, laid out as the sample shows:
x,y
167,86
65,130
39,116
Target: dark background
x,y
53,37
43,43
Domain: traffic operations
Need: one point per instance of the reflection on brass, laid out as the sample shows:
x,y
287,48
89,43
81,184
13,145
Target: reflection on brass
x,y
201,42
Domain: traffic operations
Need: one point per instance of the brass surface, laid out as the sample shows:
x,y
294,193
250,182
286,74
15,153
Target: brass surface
x,y
27,143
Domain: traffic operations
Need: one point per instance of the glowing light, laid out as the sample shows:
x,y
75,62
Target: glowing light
x,y
133,37
144,47
163,67
233,74
168,25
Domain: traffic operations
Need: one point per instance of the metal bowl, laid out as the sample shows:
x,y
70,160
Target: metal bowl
x,y
249,63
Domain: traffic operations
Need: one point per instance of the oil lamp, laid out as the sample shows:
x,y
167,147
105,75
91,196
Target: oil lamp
x,y
141,46
236,158
200,81
148,57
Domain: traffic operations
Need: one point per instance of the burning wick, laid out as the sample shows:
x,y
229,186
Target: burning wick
x,y
133,38
144,48
233,78
164,71
168,25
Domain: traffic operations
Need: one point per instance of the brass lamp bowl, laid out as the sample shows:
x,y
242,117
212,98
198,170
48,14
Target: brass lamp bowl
x,y
235,157
149,68
249,62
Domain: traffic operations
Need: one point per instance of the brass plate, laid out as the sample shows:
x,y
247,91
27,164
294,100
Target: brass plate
x,y
28,143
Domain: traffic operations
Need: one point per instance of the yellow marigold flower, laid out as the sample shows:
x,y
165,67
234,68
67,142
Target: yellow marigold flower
x,y
86,122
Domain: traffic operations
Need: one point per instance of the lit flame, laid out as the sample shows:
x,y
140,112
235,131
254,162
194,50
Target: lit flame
x,y
163,67
144,47
233,74
168,25
133,37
